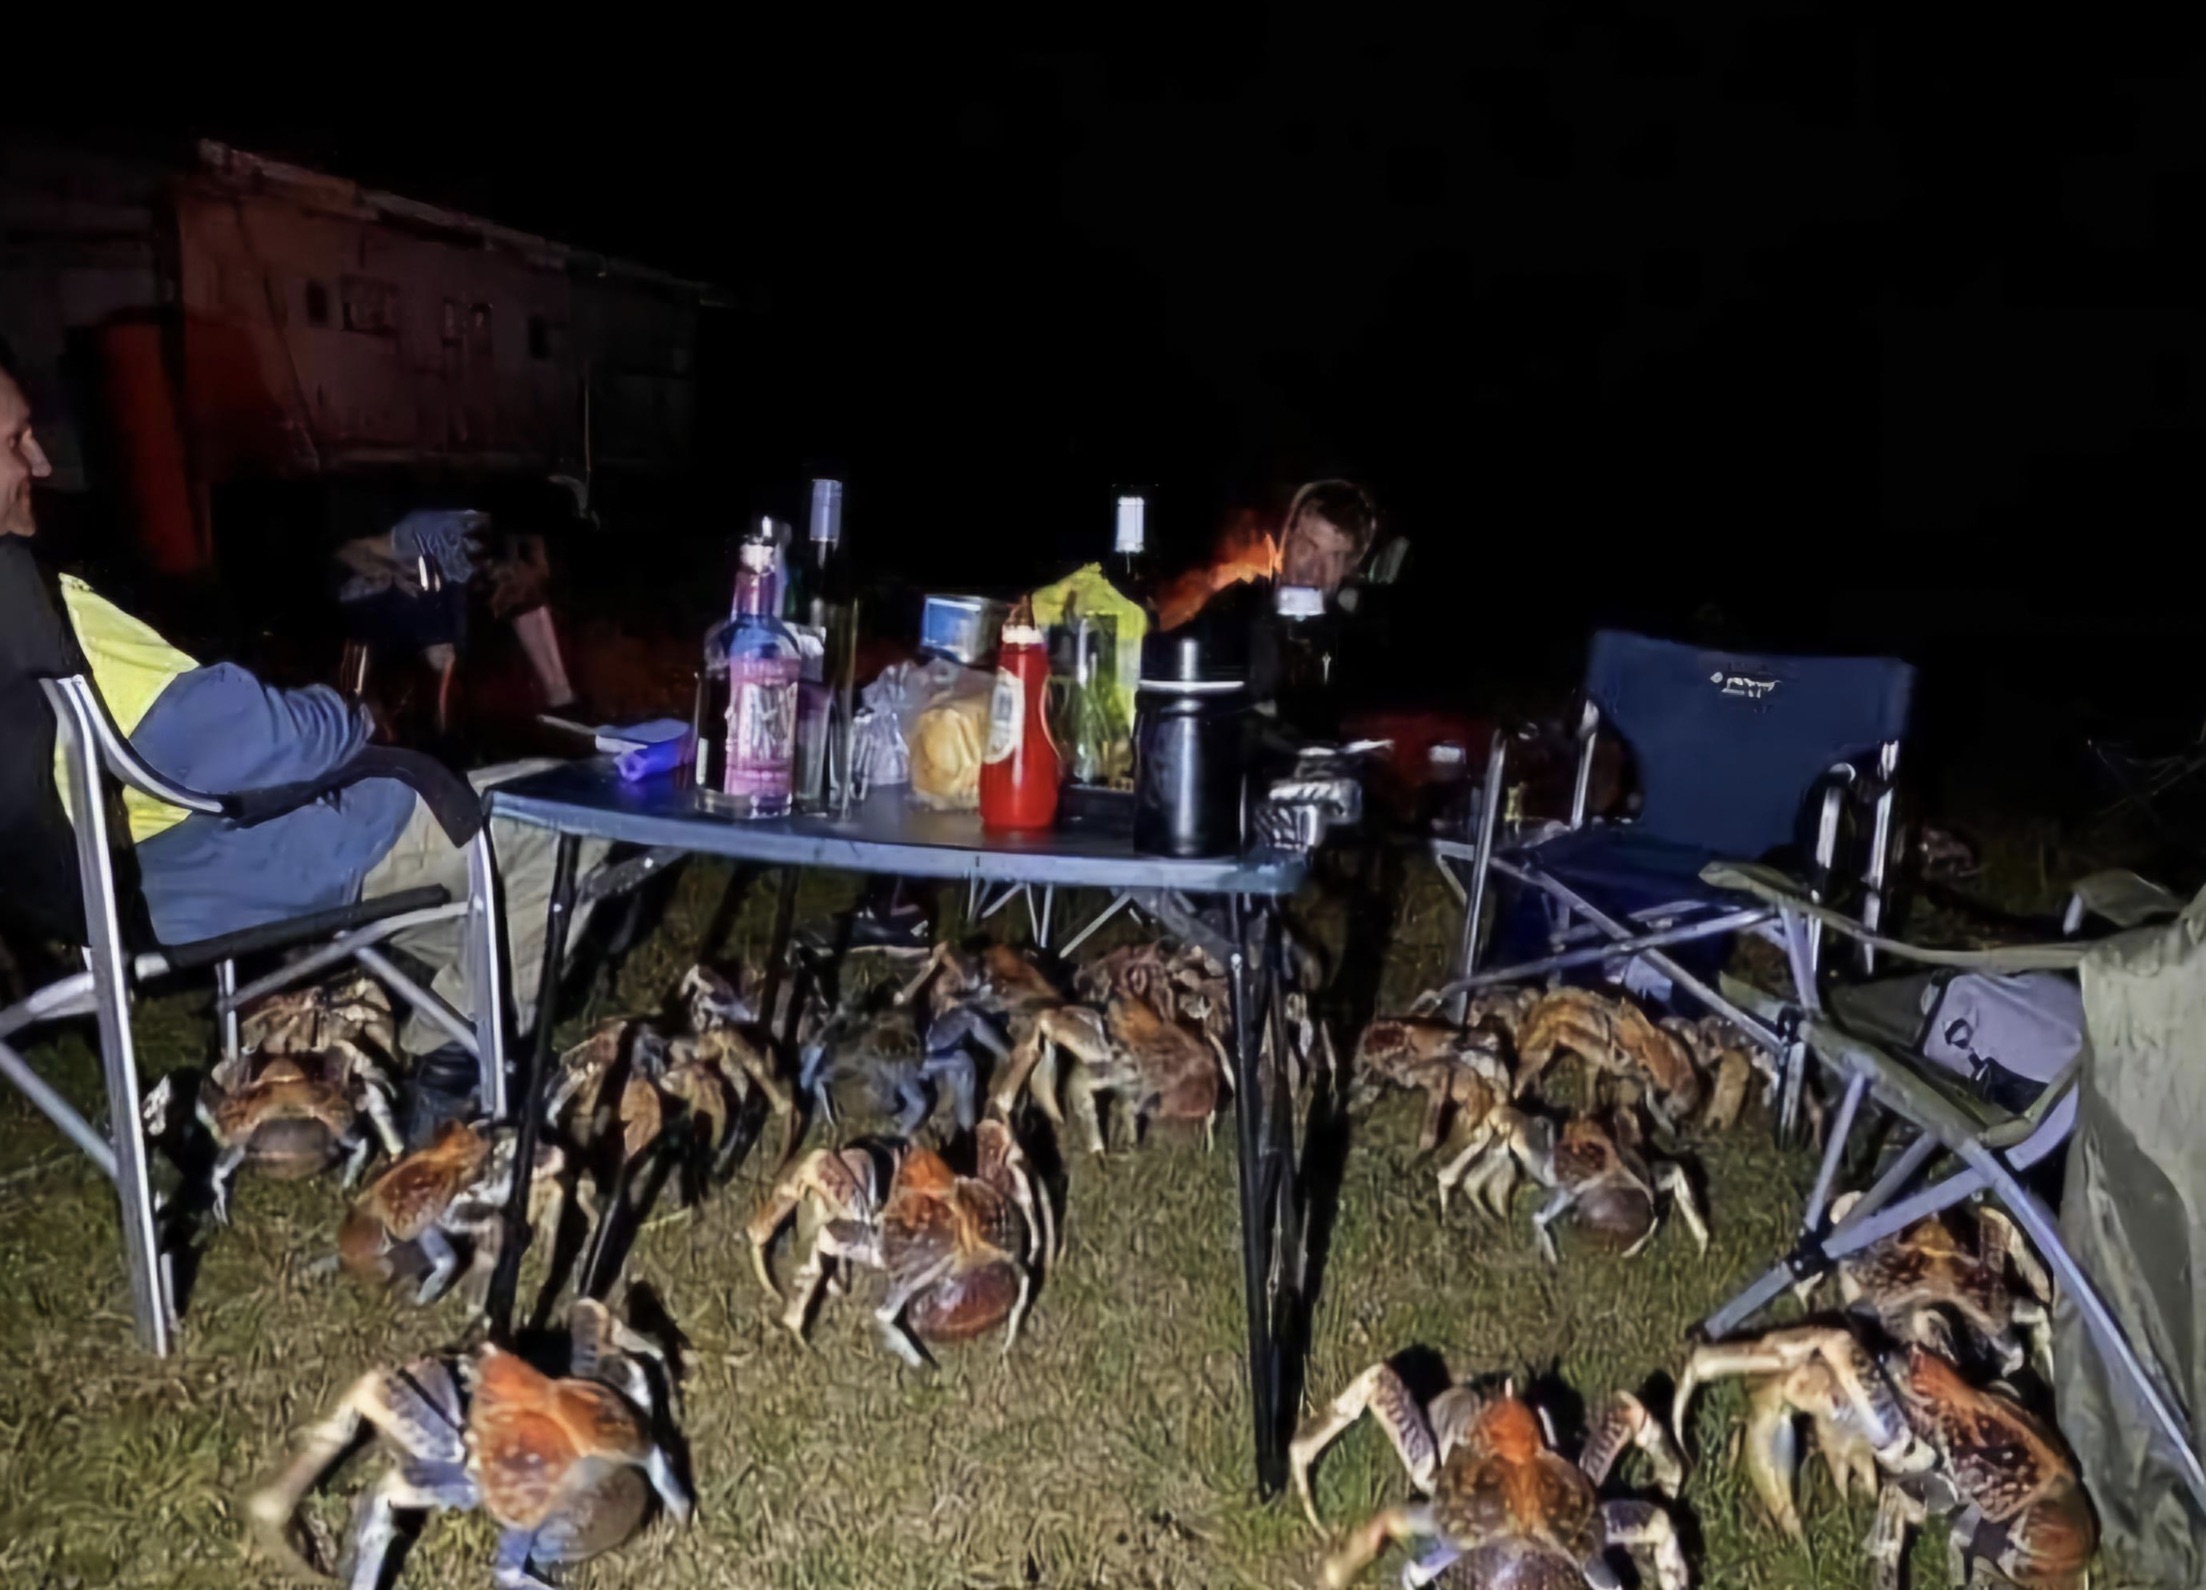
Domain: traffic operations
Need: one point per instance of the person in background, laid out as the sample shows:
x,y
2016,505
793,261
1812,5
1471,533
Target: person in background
x,y
217,728
406,590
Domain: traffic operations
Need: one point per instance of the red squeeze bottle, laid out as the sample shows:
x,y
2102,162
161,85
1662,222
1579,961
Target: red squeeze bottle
x,y
1018,778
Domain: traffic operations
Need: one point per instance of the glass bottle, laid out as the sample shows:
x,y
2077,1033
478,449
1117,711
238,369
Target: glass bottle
x,y
1129,567
763,667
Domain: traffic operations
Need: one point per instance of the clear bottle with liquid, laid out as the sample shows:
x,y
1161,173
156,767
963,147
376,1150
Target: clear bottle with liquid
x,y
757,707
1129,566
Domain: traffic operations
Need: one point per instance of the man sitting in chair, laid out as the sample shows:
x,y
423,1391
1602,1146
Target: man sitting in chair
x,y
218,729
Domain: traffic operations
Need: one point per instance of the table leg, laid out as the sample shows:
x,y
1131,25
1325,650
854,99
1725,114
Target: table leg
x,y
1259,1173
528,1093
777,954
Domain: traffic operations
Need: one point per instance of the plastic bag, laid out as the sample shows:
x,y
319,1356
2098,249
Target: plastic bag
x,y
948,737
878,757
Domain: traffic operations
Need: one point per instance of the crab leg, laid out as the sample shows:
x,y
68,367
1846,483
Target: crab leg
x,y
1625,1422
378,1103
889,1316
1379,1391
2002,1245
1644,1532
218,1180
1558,1204
1671,1178
443,1260
1773,1453
1381,1530
510,1569
435,1487
1856,1378
1897,1515
416,1409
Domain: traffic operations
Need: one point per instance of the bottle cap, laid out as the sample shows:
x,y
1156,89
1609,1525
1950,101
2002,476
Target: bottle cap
x,y
1298,601
1445,753
757,556
1020,635
1130,514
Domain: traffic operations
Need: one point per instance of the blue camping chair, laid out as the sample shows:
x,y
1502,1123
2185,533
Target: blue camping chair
x,y
1732,753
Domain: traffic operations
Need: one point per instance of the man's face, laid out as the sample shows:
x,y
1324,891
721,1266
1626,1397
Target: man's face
x,y
21,462
1318,553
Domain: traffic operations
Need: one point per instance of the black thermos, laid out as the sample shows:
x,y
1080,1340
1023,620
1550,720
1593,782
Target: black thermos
x,y
1191,729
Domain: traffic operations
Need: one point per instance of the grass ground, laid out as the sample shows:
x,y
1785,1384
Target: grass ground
x,y
1112,1448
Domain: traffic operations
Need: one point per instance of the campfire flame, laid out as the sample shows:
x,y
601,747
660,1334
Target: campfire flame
x,y
1245,550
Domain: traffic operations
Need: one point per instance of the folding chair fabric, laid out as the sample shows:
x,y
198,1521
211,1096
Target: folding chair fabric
x,y
2134,1215
1729,747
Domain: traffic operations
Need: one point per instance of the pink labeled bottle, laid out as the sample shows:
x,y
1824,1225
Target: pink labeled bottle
x,y
764,667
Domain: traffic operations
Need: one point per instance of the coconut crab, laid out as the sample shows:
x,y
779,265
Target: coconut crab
x,y
1729,1059
559,1463
1598,1171
653,1072
1616,1039
290,1116
1463,1071
321,1017
1505,1510
1188,984
1909,1281
958,1250
455,1187
902,1063
1912,1425
1167,1070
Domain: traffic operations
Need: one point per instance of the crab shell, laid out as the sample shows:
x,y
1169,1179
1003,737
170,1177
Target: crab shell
x,y
2038,1526
546,1448
932,1211
291,1118
1179,1069
1524,1516
409,1198
1612,1035
1615,1201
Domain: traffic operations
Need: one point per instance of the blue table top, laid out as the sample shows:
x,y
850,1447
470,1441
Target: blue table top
x,y
884,834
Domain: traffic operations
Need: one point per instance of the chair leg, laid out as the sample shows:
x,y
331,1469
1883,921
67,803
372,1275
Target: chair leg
x,y
152,1302
485,970
1482,862
225,987
1834,1150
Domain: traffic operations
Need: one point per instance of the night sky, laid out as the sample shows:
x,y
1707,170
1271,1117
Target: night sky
x,y
1596,299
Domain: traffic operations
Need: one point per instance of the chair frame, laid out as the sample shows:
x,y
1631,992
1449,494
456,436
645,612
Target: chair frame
x,y
93,750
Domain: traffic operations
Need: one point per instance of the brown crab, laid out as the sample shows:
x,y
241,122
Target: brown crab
x,y
457,1186
290,1116
1463,1071
1165,1069
1911,1280
1728,1060
1599,1172
958,1250
1506,1512
1616,1039
561,1464
319,1018
691,1072
1912,1425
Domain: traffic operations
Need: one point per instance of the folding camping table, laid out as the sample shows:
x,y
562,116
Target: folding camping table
x,y
886,835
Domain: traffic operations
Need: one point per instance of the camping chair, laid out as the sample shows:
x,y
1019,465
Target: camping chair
x,y
1731,751
119,959
1875,1059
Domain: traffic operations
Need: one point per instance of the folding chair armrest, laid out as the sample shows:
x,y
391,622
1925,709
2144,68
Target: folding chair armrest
x,y
452,801
302,929
75,700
